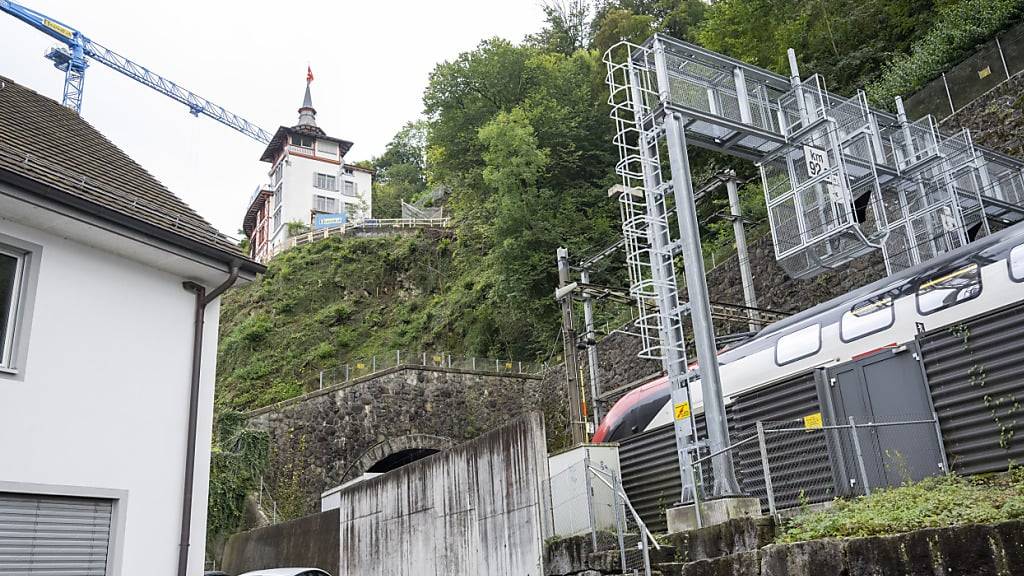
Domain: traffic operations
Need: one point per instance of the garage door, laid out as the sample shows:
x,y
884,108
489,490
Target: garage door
x,y
50,535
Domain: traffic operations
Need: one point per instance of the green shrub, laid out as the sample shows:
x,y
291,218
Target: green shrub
x,y
930,503
959,28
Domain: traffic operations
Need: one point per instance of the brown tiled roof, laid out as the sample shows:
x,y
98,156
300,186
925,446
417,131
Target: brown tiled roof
x,y
47,144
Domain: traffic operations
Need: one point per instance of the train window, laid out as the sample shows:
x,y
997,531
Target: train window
x,y
800,344
949,289
1016,263
867,317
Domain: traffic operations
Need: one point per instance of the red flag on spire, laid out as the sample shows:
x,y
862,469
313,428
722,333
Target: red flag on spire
x,y
309,74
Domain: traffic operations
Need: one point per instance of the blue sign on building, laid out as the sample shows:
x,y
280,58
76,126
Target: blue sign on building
x,y
329,220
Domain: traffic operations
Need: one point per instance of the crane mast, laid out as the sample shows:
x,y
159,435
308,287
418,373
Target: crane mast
x,y
74,56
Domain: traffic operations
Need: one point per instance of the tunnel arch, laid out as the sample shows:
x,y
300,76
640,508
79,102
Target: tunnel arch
x,y
392,453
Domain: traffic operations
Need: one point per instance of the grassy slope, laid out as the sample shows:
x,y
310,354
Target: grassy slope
x,y
931,503
322,304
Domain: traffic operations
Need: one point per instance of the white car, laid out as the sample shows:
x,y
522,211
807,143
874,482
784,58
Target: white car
x,y
287,572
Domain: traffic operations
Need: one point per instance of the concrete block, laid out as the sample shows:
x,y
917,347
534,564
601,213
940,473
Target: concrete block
x,y
683,518
731,537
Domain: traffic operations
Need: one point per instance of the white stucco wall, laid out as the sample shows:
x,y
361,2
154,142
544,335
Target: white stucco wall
x,y
102,399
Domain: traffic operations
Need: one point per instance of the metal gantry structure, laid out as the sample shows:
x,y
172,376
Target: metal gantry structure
x,y
840,179
77,51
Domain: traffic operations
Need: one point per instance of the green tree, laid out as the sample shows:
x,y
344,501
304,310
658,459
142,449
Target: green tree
x,y
400,171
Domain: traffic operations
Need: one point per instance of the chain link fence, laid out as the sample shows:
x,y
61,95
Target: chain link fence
x,y
795,464
587,498
378,363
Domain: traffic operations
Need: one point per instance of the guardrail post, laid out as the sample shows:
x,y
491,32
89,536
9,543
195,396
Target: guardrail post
x,y
398,357
321,379
346,372
520,366
473,361
497,366
764,466
424,358
373,364
860,458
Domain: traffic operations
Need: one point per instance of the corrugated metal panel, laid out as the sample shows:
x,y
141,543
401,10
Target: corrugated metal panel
x,y
799,462
975,371
51,535
650,470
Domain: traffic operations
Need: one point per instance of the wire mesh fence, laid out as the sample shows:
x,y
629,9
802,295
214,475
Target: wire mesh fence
x,y
795,464
587,498
377,363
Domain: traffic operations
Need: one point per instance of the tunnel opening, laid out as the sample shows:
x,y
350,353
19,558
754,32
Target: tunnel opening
x,y
401,458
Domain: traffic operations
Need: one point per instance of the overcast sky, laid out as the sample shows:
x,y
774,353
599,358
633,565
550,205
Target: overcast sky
x,y
371,60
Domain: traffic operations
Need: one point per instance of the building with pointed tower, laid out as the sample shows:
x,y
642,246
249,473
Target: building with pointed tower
x,y
310,184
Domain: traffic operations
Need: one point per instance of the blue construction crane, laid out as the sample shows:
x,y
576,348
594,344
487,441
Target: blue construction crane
x,y
73,59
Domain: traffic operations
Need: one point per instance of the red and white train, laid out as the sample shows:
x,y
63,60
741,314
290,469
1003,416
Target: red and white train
x,y
982,276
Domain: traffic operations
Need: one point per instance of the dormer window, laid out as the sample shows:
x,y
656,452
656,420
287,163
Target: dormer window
x,y
302,141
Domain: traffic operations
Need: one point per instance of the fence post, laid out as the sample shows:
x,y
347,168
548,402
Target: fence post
x,y
473,360
620,527
424,358
942,447
373,364
590,499
321,379
860,458
449,360
696,494
520,366
346,372
398,357
952,109
1001,57
497,366
764,466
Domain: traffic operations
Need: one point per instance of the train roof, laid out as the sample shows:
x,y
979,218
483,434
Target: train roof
x,y
983,251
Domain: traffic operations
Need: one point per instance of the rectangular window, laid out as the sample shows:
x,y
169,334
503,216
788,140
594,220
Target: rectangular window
x,y
325,204
327,148
278,197
11,269
1016,263
867,317
275,179
325,182
949,289
277,219
350,188
303,141
800,344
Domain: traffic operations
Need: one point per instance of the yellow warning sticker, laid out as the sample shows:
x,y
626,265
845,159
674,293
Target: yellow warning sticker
x,y
812,421
682,410
985,72
360,366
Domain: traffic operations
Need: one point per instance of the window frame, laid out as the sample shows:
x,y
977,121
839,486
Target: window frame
x,y
345,187
817,326
330,181
14,355
892,320
943,276
8,342
329,199
1009,263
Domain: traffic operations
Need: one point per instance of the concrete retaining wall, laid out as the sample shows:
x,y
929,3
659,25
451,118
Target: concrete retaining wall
x,y
477,509
310,542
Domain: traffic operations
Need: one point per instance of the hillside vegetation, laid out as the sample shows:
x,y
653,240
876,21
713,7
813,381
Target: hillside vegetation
x,y
324,303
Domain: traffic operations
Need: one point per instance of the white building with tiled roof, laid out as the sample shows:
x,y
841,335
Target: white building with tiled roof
x,y
309,183
109,309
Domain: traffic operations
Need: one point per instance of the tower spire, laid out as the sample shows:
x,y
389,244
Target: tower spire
x,y
307,114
